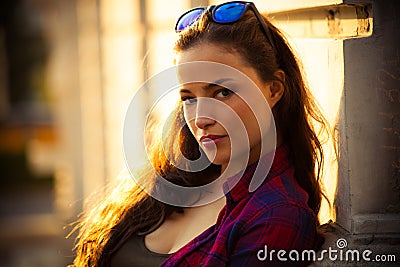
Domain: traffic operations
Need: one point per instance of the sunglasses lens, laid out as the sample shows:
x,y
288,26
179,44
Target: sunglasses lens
x,y
188,19
230,12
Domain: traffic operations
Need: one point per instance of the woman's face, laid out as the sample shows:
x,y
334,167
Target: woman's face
x,y
210,108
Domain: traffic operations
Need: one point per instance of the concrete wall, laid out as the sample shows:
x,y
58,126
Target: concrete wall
x,y
368,198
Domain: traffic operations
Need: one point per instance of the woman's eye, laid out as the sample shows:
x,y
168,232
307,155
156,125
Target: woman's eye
x,y
224,93
188,100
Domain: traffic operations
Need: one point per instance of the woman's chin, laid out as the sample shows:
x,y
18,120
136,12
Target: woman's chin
x,y
220,160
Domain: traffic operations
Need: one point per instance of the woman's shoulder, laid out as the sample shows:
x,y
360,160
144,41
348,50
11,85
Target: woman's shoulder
x,y
280,190
279,214
279,224
281,199
280,186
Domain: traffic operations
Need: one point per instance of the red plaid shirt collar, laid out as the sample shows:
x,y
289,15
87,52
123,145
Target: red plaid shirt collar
x,y
235,191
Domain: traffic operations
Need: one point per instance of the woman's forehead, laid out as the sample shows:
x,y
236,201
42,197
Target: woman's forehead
x,y
211,73
216,54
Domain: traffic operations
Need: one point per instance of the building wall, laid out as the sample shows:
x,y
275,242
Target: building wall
x,y
369,191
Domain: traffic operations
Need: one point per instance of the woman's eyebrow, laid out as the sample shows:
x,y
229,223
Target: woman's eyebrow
x,y
183,90
217,83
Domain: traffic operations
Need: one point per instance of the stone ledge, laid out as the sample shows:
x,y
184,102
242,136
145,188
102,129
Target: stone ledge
x,y
384,245
376,224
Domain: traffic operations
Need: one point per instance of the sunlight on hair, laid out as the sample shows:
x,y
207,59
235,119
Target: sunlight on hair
x,y
165,105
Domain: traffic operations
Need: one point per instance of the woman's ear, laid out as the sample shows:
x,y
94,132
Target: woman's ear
x,y
277,87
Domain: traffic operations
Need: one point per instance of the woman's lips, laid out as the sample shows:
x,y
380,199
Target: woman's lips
x,y
211,140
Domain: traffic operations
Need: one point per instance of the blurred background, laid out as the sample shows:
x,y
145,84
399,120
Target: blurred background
x,y
68,70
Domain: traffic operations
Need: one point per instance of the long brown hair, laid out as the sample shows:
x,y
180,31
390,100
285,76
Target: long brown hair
x,y
103,229
128,209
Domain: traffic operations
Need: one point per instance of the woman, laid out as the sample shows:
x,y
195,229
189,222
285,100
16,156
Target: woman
x,y
241,228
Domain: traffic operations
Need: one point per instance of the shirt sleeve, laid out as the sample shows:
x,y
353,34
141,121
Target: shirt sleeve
x,y
285,235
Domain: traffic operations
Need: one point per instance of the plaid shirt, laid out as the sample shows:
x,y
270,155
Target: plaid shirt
x,y
273,217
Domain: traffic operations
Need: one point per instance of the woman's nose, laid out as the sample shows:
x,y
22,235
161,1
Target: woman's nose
x,y
203,122
204,117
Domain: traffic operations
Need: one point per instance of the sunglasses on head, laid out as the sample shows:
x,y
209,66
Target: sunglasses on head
x,y
224,13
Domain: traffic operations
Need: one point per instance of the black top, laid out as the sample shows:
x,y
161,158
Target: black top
x,y
135,253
